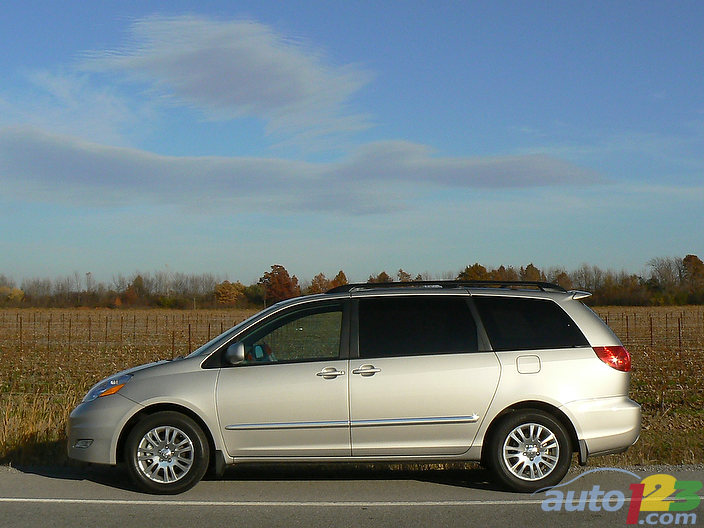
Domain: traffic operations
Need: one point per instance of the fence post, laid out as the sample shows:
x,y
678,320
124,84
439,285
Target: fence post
x,y
651,331
667,330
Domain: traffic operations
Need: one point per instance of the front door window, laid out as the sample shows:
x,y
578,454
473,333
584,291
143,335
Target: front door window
x,y
308,335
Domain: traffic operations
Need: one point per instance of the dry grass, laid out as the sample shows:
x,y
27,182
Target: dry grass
x,y
50,358
667,348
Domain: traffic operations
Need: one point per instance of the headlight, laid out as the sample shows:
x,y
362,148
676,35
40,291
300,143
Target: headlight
x,y
107,387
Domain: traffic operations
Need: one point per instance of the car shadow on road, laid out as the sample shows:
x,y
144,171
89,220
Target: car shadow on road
x,y
111,476
460,475
464,475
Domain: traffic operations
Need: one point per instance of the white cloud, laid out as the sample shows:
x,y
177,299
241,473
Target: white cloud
x,y
67,102
640,155
230,69
414,163
75,171
380,177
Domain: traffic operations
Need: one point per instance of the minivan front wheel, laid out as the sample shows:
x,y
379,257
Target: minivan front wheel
x,y
167,453
530,450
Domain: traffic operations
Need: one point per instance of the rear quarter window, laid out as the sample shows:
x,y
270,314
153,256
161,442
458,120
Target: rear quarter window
x,y
527,324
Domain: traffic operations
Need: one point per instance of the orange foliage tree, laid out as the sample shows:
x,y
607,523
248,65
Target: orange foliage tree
x,y
279,285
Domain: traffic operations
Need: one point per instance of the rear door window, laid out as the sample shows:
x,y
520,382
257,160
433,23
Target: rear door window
x,y
422,325
527,324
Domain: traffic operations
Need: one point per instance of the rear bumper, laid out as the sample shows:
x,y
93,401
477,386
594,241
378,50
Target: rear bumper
x,y
605,425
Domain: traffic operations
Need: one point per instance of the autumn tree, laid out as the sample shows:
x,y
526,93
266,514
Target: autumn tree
x,y
319,284
693,272
279,285
503,274
382,277
560,277
531,273
10,295
136,292
694,278
403,276
339,280
474,272
229,293
255,295
8,292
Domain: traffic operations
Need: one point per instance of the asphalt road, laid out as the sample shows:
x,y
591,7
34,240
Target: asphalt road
x,y
309,496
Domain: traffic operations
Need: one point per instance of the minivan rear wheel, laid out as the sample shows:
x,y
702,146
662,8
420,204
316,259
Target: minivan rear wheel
x,y
529,450
167,453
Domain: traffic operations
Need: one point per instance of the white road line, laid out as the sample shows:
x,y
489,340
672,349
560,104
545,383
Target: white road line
x,y
343,504
266,503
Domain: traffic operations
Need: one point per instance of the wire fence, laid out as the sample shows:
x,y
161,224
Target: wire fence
x,y
169,332
42,351
663,327
667,349
75,348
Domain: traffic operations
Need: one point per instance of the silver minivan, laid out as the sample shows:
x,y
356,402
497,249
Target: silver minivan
x,y
516,375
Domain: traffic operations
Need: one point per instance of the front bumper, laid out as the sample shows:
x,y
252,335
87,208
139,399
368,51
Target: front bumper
x,y
96,425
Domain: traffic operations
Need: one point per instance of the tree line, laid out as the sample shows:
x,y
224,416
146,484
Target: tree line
x,y
668,281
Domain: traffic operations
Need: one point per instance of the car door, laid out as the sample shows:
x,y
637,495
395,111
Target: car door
x,y
420,385
290,396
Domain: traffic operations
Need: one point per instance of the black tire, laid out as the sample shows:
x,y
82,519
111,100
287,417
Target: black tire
x,y
166,453
529,450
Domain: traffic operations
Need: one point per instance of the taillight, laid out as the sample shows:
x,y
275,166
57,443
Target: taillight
x,y
615,356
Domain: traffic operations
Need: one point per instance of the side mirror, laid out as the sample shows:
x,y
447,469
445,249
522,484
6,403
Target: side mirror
x,y
234,355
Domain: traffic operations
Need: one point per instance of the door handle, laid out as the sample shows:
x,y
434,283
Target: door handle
x,y
366,370
330,373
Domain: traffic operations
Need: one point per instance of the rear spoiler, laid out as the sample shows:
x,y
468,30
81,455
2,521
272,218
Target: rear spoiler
x,y
578,294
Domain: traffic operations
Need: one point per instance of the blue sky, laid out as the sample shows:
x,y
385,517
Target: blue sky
x,y
225,137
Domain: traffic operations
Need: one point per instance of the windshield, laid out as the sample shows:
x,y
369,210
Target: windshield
x,y
217,341
214,343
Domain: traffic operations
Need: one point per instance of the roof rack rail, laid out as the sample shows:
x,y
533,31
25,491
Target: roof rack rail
x,y
538,285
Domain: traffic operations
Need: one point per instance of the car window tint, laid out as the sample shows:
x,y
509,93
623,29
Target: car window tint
x,y
524,324
310,334
404,326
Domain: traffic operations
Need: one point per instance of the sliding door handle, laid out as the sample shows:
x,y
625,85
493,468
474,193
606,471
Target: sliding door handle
x,y
366,370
